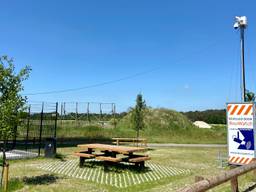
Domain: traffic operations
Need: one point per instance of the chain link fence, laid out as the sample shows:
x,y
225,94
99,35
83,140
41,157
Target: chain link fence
x,y
38,124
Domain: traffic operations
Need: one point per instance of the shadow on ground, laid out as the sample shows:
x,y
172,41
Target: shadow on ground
x,y
60,156
41,179
116,167
251,188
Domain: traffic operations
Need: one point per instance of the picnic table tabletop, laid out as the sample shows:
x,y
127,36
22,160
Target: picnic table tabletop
x,y
113,148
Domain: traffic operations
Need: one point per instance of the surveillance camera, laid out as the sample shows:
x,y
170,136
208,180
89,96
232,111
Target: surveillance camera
x,y
236,25
241,22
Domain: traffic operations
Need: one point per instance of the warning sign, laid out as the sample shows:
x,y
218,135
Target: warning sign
x,y
240,123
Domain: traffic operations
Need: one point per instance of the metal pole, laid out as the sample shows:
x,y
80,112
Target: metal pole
x,y
77,123
114,113
55,128
76,110
61,112
88,112
41,129
64,108
101,115
28,125
56,120
242,63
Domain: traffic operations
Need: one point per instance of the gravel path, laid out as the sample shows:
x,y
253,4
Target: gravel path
x,y
187,145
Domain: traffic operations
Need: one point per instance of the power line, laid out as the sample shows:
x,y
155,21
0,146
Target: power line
x,y
115,80
94,85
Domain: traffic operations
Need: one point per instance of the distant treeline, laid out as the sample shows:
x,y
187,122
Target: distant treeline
x,y
216,116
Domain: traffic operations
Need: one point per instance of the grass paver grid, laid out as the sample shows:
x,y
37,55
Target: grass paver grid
x,y
122,179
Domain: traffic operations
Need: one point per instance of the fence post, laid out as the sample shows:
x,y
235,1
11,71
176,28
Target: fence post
x,y
64,108
234,184
101,115
88,112
28,125
76,112
41,129
61,112
114,113
56,120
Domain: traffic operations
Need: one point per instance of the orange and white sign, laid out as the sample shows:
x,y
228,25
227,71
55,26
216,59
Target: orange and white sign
x,y
240,124
239,160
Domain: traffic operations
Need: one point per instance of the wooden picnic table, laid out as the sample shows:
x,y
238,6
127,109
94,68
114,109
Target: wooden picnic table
x,y
110,153
113,148
120,140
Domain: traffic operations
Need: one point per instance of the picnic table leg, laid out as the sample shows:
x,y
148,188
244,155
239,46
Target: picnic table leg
x,y
142,164
81,162
105,164
89,150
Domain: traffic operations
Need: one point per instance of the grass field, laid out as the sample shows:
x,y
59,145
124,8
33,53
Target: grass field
x,y
154,135
28,175
161,126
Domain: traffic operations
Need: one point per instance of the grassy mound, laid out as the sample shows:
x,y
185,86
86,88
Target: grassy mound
x,y
160,119
161,126
166,126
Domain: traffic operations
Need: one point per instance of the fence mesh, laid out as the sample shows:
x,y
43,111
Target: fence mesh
x,y
38,123
42,121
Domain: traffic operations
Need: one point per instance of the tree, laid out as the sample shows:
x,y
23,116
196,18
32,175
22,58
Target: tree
x,y
138,114
249,96
11,101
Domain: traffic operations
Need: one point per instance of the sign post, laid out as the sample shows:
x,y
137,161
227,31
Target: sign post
x,y
241,131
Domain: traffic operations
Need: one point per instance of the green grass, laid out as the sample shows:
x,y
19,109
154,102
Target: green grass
x,y
200,161
193,135
162,126
14,185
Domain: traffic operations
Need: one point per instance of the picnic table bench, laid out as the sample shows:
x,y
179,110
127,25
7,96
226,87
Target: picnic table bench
x,y
108,153
134,141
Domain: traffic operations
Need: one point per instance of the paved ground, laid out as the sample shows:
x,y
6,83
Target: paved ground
x,y
121,177
19,154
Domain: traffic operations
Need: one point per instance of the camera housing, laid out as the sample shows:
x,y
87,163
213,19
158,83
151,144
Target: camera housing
x,y
241,22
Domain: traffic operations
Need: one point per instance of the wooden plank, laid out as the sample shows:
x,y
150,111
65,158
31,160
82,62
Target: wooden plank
x,y
84,155
111,159
114,148
84,151
214,181
139,159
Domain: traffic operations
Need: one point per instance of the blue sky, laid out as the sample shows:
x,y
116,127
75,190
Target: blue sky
x,y
187,51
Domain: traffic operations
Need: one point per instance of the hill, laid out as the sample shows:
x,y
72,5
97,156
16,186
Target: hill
x,y
166,126
161,126
160,119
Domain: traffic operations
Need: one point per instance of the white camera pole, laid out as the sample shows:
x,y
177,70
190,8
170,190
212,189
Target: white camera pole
x,y
241,23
